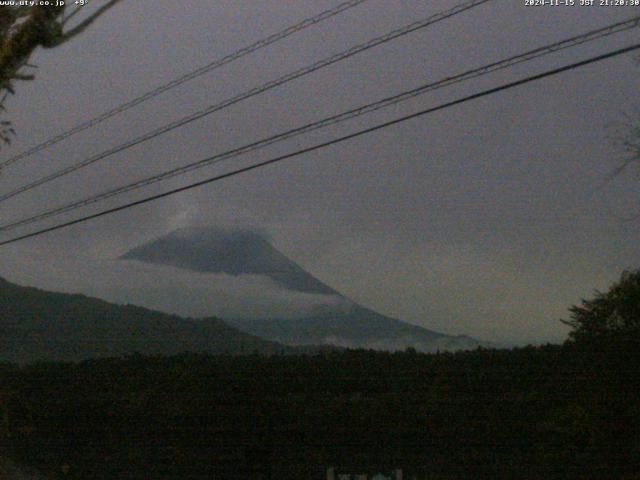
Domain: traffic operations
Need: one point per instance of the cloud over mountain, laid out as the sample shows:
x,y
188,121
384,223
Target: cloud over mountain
x,y
337,321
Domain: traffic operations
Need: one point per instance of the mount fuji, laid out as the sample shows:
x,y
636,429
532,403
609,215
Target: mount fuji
x,y
318,314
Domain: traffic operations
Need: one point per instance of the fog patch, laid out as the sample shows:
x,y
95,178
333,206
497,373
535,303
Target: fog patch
x,y
164,288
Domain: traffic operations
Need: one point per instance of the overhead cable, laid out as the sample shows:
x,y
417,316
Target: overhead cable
x,y
248,94
335,141
332,120
276,37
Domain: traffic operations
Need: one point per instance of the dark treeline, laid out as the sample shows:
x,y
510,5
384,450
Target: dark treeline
x,y
551,412
547,412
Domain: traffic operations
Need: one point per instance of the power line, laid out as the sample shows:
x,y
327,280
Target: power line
x,y
359,133
276,37
400,32
332,120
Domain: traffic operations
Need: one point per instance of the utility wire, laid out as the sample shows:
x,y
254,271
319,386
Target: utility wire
x,y
319,146
251,93
344,116
276,37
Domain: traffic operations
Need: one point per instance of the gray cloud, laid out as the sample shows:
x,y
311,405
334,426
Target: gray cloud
x,y
483,219
167,289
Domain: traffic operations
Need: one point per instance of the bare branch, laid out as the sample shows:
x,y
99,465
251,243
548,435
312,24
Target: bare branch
x,y
71,15
82,26
20,76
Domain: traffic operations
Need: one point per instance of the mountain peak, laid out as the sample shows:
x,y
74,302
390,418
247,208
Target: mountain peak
x,y
209,232
238,251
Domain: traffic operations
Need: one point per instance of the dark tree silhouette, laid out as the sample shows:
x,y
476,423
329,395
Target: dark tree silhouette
x,y
611,315
25,28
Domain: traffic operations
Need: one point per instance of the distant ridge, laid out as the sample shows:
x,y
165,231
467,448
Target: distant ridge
x,y
38,325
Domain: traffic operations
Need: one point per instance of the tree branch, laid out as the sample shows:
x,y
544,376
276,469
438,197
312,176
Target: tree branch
x,y
71,15
82,26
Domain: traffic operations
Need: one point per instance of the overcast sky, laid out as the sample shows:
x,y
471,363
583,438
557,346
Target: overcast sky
x,y
484,219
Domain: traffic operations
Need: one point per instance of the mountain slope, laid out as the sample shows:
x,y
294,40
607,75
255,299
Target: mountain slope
x,y
360,328
41,325
344,323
